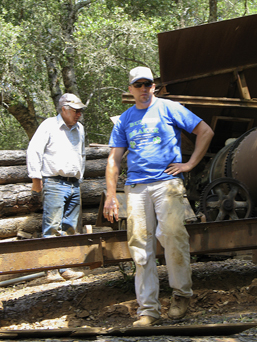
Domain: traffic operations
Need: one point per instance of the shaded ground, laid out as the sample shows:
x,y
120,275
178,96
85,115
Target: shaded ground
x,y
224,291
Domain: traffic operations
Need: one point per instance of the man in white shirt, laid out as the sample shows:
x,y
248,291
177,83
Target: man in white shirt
x,y
56,164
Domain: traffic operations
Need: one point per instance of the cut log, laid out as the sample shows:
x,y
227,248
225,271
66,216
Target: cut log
x,y
91,190
97,152
89,216
31,224
11,226
19,174
12,157
17,199
18,157
14,174
95,168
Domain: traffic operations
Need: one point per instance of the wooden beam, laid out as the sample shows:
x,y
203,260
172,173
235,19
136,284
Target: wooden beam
x,y
242,86
201,101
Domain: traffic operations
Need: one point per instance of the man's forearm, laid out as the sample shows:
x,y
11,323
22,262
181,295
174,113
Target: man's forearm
x,y
202,143
113,170
201,148
111,205
37,184
112,174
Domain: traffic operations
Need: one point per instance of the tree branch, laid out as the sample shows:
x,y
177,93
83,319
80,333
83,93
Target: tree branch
x,y
82,4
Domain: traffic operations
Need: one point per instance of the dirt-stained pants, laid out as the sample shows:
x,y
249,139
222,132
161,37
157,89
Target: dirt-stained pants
x,y
155,210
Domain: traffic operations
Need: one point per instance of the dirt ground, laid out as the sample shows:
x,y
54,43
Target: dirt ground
x,y
105,297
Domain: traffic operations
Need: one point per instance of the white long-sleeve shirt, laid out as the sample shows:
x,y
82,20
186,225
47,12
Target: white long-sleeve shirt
x,y
56,150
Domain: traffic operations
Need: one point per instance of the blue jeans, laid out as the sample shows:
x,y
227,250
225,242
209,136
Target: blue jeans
x,y
61,207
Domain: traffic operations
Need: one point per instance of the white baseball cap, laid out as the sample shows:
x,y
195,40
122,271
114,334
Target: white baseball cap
x,y
71,100
140,72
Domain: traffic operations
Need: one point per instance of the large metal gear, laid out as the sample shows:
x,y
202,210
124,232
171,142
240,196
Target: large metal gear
x,y
226,199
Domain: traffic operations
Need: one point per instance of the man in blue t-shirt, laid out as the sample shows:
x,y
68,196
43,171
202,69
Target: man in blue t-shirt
x,y
151,131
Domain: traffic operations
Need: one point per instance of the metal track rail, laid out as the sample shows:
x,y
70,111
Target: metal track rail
x,y
100,249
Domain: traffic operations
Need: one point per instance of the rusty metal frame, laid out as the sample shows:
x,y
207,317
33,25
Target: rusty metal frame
x,y
100,249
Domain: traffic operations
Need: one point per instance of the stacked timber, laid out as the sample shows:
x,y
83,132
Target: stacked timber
x,y
21,211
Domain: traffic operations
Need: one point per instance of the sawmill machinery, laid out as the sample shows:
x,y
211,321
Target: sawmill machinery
x,y
231,193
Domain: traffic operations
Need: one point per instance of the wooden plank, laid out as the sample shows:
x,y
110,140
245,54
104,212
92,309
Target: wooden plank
x,y
242,86
170,330
202,101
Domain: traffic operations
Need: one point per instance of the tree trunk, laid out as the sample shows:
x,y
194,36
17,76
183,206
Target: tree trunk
x,y
65,50
53,79
67,61
246,12
213,11
22,113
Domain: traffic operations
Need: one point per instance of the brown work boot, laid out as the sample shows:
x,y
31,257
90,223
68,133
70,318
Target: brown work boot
x,y
178,307
53,276
71,275
146,321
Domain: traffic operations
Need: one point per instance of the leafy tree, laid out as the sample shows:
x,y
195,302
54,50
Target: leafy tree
x,y
86,47
110,46
43,64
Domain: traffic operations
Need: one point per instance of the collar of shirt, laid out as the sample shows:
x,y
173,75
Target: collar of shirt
x,y
62,123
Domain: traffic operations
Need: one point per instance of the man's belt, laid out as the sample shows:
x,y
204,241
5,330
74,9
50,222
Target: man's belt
x,y
67,179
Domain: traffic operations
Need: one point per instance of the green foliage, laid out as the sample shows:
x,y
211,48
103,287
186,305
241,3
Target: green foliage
x,y
22,69
12,135
109,37
108,46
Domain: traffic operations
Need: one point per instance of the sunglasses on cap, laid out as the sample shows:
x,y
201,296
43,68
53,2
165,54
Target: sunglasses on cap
x,y
147,84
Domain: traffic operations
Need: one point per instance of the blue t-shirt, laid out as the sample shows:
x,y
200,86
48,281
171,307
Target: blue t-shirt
x,y
153,138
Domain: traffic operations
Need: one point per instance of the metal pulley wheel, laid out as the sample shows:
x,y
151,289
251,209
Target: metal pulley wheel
x,y
226,199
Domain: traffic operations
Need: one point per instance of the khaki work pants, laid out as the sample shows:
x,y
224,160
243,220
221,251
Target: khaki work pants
x,y
156,210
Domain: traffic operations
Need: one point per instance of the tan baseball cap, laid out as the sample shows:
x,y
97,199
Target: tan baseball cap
x,y
71,100
140,72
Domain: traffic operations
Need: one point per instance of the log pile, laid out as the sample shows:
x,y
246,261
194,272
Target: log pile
x,y
21,211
